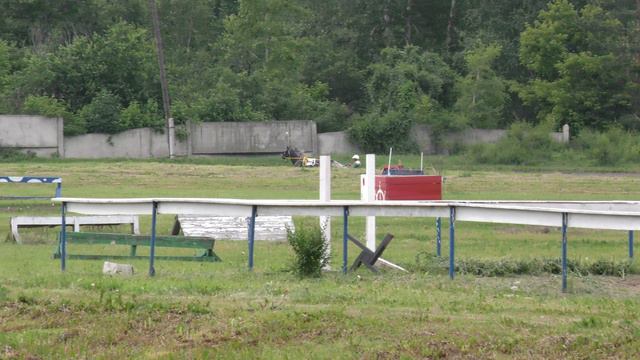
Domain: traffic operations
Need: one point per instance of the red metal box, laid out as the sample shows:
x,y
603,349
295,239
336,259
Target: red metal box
x,y
409,187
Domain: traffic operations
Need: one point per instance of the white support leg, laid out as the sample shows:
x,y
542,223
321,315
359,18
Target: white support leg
x,y
325,195
14,232
370,191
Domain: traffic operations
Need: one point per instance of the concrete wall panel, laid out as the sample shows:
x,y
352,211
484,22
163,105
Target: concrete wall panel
x,y
252,137
134,143
36,134
336,143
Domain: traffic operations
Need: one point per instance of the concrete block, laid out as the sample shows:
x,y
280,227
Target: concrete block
x,y
110,268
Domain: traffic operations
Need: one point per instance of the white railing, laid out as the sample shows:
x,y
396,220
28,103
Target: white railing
x,y
610,215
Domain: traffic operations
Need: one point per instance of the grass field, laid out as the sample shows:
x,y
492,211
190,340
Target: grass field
x,y
220,310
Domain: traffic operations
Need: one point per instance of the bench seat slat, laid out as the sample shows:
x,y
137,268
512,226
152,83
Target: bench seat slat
x,y
212,258
142,240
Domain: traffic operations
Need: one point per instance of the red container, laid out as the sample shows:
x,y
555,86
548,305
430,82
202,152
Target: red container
x,y
408,187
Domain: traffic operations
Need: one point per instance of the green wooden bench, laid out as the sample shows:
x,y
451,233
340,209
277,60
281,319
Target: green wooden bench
x,y
140,240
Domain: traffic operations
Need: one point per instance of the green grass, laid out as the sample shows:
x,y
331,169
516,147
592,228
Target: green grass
x,y
220,310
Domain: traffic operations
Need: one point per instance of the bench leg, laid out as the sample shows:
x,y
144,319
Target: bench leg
x,y
14,232
133,250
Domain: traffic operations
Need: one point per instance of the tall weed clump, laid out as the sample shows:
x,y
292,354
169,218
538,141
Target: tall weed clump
x,y
310,250
524,144
426,262
611,147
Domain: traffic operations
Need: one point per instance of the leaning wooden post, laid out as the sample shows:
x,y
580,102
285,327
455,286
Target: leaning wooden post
x,y
252,233
152,250
63,238
325,195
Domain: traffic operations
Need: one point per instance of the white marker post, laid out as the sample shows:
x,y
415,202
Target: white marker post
x,y
325,195
370,195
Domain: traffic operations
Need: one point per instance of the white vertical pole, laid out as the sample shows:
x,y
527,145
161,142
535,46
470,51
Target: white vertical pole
x,y
370,183
325,195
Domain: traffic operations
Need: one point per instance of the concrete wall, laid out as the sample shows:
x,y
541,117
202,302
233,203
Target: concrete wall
x,y
421,134
136,143
476,136
44,137
29,133
253,137
206,139
336,143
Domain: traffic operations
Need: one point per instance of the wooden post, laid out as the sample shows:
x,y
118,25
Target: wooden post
x,y
370,195
325,195
565,133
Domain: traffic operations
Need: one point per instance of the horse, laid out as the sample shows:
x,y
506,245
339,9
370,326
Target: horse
x,y
298,158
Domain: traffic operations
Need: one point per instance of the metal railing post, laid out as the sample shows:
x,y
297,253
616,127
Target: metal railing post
x,y
565,220
152,251
345,238
452,236
63,238
438,236
252,232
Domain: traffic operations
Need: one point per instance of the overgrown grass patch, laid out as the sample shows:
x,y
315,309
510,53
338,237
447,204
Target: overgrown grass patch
x,y
426,262
499,306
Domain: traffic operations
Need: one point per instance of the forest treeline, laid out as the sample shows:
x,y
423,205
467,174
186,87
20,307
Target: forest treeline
x,y
373,67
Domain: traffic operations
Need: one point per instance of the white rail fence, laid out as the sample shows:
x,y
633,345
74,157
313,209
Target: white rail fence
x,y
609,215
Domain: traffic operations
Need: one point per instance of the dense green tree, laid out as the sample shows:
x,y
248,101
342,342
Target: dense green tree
x,y
52,107
482,93
5,70
138,115
405,87
260,75
578,59
43,24
232,60
102,114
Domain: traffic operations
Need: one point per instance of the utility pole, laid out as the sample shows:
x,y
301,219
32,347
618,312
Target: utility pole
x,y
163,78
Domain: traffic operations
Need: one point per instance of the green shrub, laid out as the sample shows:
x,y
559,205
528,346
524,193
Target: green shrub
x,y
310,250
102,115
138,115
523,145
12,154
377,133
612,147
509,267
52,107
